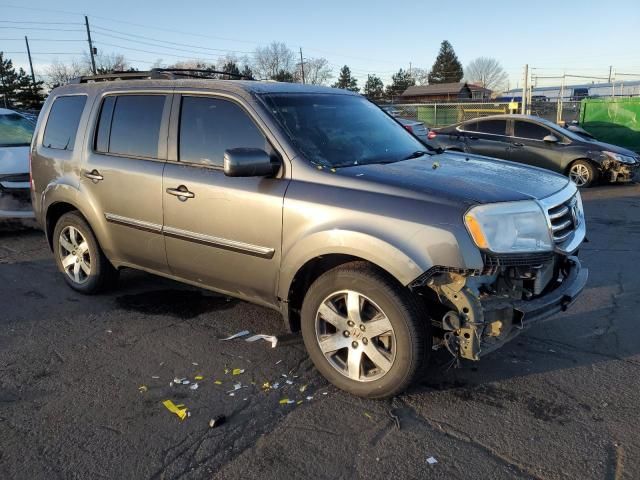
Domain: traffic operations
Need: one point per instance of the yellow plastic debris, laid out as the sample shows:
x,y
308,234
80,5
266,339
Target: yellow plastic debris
x,y
237,371
217,382
142,388
198,377
226,371
179,410
303,388
285,401
266,385
298,402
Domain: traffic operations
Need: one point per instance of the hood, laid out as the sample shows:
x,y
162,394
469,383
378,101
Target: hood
x,y
612,148
14,160
462,177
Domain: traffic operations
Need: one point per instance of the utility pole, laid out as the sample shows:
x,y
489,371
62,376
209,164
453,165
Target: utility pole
x,y
525,89
91,51
302,65
33,77
610,69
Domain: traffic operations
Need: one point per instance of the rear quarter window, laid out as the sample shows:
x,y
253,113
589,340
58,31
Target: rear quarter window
x,y
63,121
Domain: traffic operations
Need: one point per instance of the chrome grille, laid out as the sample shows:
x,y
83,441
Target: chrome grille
x,y
563,220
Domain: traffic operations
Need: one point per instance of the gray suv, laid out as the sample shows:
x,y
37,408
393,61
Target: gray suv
x,y
310,201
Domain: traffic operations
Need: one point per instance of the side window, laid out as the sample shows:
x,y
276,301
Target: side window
x,y
63,121
209,126
471,126
130,125
530,130
494,127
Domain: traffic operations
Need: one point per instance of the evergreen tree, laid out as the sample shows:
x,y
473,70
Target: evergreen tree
x,y
247,73
374,88
400,82
346,81
447,68
17,88
284,76
232,68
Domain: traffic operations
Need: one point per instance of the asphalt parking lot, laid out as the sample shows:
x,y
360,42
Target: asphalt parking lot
x,y
561,401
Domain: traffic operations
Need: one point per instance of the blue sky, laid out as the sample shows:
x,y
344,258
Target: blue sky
x,y
576,37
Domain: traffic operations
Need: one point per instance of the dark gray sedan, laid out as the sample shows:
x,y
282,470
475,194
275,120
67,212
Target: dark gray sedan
x,y
541,143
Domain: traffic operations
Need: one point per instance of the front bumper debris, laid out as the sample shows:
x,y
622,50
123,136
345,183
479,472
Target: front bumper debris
x,y
616,172
483,312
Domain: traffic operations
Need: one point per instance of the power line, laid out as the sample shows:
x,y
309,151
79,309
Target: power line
x,y
40,23
193,56
95,27
44,28
44,39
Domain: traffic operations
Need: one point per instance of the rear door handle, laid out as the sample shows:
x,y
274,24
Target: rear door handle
x,y
94,176
517,144
181,192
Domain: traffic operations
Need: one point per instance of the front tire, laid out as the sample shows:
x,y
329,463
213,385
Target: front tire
x,y
365,333
79,257
583,173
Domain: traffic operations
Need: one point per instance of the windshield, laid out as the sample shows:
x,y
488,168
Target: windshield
x,y
341,130
15,130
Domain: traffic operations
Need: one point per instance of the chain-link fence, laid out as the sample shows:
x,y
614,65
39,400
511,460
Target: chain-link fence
x,y
442,114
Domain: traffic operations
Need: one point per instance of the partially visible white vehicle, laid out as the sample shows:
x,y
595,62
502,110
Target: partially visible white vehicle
x,y
16,131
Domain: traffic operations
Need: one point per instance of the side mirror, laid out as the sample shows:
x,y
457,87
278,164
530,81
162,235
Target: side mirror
x,y
551,139
247,162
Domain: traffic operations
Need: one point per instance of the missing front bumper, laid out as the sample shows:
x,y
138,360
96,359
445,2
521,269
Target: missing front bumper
x,y
484,317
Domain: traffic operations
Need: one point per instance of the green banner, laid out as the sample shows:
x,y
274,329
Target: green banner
x,y
613,120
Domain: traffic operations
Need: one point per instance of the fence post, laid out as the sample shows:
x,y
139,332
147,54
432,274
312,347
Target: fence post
x,y
435,114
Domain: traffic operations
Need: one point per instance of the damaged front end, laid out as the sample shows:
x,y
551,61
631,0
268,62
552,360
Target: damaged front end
x,y
475,311
478,312
616,167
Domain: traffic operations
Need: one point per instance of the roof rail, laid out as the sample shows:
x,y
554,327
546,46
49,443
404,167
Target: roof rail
x,y
159,73
200,73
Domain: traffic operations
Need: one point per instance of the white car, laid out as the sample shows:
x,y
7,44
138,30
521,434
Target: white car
x,y
16,131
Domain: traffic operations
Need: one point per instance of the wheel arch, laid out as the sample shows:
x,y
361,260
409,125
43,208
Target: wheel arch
x,y
323,251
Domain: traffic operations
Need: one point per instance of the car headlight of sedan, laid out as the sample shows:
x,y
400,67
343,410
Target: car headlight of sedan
x,y
628,159
509,227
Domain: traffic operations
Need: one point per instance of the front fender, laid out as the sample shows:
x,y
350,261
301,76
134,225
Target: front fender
x,y
404,260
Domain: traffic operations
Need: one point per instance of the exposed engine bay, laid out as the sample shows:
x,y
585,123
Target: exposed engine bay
x,y
474,313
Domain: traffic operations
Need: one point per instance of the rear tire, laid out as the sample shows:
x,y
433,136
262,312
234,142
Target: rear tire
x,y
79,257
583,173
365,333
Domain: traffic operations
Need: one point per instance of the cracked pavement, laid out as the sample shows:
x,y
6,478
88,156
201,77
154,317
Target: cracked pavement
x,y
560,401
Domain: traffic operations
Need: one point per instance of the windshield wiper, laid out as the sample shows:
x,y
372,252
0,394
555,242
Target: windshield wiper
x,y
416,154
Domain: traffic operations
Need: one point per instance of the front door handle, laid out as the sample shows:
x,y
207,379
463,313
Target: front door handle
x,y
181,192
94,176
517,144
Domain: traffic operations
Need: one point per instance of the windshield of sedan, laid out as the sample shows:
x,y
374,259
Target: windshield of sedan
x,y
15,130
342,130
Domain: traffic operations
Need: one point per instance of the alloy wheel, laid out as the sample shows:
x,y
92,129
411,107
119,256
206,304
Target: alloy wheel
x,y
74,253
579,174
355,336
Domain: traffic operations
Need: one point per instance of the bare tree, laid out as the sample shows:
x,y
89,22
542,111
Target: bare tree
x,y
420,75
316,71
107,62
486,72
59,73
269,61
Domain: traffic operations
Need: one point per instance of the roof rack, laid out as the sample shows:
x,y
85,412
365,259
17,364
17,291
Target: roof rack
x,y
160,73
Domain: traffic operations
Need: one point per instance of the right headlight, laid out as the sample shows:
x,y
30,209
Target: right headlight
x,y
620,158
509,227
